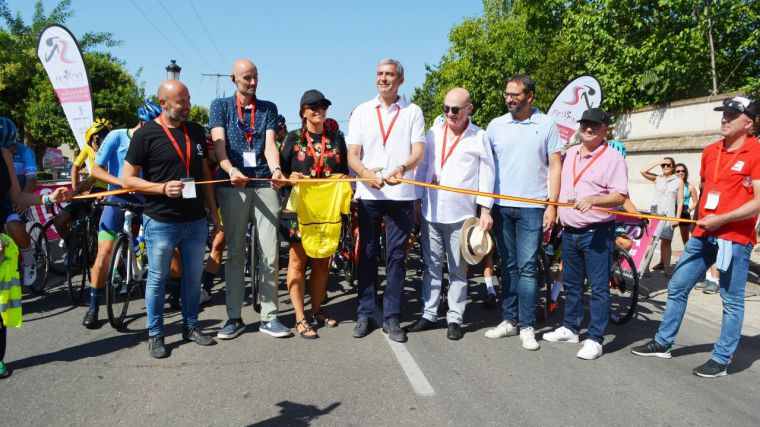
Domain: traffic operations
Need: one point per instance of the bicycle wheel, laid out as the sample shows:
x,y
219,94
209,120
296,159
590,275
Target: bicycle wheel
x,y
77,262
544,291
41,257
119,285
624,287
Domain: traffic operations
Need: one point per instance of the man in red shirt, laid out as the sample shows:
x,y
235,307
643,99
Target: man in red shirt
x,y
725,235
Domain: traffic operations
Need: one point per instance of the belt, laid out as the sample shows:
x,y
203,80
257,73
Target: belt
x,y
577,230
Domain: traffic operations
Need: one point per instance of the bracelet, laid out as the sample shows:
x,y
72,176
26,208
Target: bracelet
x,y
163,190
277,168
232,170
402,166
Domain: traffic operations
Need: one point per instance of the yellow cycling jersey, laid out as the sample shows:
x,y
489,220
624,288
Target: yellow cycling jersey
x,y
88,153
319,208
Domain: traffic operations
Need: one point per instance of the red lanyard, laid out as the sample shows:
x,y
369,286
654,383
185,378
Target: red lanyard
x,y
319,163
248,136
390,128
730,162
445,156
577,178
185,159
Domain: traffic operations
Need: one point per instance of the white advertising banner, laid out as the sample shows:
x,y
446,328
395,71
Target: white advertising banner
x,y
578,96
59,53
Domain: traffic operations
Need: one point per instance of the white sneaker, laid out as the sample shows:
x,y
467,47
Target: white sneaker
x,y
561,334
591,350
206,297
504,329
30,274
528,339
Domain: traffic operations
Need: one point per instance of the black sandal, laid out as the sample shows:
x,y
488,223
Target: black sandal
x,y
324,319
306,329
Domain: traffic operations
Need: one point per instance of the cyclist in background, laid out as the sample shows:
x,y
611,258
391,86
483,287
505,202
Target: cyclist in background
x,y
26,173
105,168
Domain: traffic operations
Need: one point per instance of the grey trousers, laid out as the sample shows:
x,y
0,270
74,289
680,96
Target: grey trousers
x,y
437,238
260,207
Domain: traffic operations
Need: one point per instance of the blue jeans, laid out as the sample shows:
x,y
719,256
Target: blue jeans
x,y
588,253
518,236
398,226
699,254
161,238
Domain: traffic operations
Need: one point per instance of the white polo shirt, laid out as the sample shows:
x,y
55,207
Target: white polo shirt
x,y
364,130
469,165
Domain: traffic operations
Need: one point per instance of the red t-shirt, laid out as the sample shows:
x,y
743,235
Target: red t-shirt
x,y
736,172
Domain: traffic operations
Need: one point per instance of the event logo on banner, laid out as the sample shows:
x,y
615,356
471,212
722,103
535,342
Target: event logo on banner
x,y
578,96
59,53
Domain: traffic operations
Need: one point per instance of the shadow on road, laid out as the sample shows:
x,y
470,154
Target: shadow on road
x,y
296,414
746,354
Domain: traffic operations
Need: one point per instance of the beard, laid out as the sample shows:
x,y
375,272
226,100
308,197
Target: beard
x,y
176,114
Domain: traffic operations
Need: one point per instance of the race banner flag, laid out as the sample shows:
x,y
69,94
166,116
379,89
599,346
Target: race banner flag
x,y
59,53
578,96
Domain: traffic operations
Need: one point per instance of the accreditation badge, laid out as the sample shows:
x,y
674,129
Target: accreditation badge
x,y
249,159
188,188
712,200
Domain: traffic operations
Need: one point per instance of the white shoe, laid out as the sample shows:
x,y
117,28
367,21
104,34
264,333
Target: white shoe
x,y
504,329
30,274
591,350
561,334
205,296
528,339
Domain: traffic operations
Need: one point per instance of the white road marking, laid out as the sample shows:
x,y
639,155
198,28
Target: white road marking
x,y
414,374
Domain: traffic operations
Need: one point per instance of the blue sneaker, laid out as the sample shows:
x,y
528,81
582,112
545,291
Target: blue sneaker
x,y
275,329
231,329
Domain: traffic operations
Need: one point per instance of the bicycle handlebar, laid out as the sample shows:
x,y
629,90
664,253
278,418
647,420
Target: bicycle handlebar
x,y
122,205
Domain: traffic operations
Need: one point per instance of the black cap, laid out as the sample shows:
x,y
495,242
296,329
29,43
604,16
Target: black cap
x,y
596,115
313,95
739,104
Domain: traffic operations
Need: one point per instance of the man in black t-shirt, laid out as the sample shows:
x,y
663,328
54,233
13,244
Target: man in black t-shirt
x,y
171,154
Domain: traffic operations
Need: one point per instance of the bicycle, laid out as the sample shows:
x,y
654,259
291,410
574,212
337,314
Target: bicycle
x,y
127,268
624,279
41,244
83,244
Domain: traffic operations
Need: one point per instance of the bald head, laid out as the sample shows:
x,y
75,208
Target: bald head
x,y
174,98
245,75
458,99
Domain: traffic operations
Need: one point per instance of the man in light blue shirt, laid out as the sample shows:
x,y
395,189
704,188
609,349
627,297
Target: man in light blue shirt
x,y
526,147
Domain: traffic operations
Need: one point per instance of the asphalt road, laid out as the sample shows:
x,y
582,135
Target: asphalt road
x,y
67,375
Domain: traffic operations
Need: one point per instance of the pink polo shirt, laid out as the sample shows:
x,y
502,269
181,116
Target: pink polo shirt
x,y
607,175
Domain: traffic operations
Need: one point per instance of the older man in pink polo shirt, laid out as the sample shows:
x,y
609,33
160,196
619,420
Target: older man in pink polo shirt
x,y
593,176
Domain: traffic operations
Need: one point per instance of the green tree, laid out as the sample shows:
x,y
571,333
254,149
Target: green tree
x,y
26,94
199,114
642,51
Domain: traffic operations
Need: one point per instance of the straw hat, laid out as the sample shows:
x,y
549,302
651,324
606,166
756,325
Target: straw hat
x,y
474,242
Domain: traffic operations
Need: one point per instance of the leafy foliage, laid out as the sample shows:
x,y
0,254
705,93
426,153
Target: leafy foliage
x,y
642,51
27,96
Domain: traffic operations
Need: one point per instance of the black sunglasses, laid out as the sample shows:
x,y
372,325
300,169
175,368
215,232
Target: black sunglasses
x,y
586,124
319,105
680,171
454,110
666,165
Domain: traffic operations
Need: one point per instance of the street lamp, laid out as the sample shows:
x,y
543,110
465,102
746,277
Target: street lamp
x,y
172,70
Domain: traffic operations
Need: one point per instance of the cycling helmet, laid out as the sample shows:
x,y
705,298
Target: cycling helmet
x,y
148,111
7,132
332,125
617,145
98,126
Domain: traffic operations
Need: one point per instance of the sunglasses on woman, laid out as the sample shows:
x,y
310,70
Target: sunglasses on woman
x,y
680,171
319,105
666,165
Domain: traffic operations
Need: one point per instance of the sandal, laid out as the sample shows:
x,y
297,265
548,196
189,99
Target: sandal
x,y
658,267
303,328
324,319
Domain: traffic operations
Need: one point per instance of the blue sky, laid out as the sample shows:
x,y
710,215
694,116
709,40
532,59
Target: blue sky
x,y
332,46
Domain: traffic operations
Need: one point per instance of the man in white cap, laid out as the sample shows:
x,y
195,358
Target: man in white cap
x,y
457,154
725,235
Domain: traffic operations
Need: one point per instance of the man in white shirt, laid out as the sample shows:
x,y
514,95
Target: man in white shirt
x,y
386,140
457,154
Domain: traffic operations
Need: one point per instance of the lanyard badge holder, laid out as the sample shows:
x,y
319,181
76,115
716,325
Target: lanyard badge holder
x,y
382,165
188,183
572,196
249,156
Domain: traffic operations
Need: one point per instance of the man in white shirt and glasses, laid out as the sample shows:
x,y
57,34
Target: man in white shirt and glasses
x,y
457,154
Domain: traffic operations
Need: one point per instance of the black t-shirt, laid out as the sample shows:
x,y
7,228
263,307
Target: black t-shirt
x,y
154,152
297,157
